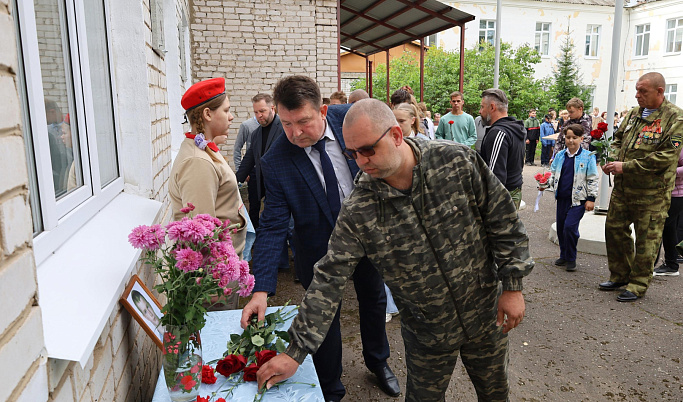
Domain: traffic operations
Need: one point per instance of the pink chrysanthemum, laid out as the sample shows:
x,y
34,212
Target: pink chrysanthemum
x,y
138,237
246,286
208,221
191,231
188,259
244,270
189,208
147,237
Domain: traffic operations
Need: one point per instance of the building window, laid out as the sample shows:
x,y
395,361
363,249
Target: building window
x,y
68,108
670,92
592,40
487,31
674,35
642,39
543,38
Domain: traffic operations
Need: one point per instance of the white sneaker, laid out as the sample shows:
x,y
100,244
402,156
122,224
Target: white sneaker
x,y
388,317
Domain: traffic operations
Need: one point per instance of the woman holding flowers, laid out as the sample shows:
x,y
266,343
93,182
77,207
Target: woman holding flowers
x,y
200,175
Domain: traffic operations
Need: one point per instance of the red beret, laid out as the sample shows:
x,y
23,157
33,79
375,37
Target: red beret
x,y
203,92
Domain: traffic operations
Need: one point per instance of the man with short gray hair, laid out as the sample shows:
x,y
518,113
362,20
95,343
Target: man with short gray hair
x,y
503,144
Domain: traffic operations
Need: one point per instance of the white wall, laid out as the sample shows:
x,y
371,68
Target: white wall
x,y
632,67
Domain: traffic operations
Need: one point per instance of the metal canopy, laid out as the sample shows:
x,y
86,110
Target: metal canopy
x,y
372,26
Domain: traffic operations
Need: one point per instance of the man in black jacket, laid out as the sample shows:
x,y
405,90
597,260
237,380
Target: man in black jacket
x,y
503,145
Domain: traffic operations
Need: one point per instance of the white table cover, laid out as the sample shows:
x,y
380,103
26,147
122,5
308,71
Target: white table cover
x,y
219,326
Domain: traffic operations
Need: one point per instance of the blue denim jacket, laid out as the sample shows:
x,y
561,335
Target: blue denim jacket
x,y
585,186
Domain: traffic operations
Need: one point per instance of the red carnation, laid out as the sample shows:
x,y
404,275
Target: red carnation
x,y
231,364
250,372
450,122
538,176
264,355
602,126
596,134
200,399
208,376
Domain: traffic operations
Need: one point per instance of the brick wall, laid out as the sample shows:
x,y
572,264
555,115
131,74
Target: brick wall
x,y
254,43
21,333
161,125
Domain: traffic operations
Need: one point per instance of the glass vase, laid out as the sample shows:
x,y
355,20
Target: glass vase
x,y
182,362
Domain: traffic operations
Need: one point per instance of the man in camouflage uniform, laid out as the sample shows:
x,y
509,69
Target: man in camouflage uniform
x,y
443,232
646,151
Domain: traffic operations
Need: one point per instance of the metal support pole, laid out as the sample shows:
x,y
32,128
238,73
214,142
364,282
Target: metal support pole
x,y
462,56
496,63
388,90
367,76
422,69
370,70
603,193
338,45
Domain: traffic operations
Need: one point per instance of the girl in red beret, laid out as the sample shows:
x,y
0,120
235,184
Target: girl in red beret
x,y
200,175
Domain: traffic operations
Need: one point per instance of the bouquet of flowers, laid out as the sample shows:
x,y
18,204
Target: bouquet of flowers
x,y
543,184
196,262
602,145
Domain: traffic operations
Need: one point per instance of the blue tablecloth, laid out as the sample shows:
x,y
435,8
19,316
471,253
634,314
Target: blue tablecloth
x,y
219,326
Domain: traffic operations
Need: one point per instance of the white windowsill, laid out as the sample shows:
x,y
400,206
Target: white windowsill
x,y
80,284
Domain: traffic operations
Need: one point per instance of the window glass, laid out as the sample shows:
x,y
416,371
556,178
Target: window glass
x,y
100,86
543,38
487,31
674,35
592,40
60,115
671,92
642,40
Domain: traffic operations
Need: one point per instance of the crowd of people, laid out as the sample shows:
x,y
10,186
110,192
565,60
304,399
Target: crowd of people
x,y
422,214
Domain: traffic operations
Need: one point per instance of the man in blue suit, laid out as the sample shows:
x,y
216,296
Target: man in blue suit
x,y
307,176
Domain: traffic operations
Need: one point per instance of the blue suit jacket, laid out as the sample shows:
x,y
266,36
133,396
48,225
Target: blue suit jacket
x,y
293,187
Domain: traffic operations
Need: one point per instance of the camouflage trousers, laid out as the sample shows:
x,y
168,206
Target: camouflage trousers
x,y
626,264
516,195
430,367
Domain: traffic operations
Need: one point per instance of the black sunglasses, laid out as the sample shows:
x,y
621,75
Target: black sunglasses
x,y
365,151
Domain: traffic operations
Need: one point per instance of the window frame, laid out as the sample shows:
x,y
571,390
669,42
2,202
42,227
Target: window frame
x,y
538,37
668,92
644,51
678,24
62,218
486,30
589,39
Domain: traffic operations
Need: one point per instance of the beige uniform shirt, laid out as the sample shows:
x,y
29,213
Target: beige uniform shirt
x,y
210,186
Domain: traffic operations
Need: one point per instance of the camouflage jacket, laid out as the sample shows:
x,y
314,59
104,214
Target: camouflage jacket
x,y
649,148
442,249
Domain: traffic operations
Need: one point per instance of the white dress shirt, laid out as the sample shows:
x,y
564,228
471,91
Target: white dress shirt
x,y
341,167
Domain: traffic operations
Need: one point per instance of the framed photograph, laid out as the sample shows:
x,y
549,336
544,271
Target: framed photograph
x,y
146,310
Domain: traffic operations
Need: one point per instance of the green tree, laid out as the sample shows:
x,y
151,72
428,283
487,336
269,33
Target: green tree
x,y
567,78
442,71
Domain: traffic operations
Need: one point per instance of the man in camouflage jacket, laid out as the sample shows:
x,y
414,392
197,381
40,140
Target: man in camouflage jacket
x,y
444,233
646,150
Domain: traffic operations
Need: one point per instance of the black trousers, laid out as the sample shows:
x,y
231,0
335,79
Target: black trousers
x,y
531,151
670,233
372,304
254,201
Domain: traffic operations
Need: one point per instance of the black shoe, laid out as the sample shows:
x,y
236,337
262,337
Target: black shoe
x,y
571,266
627,296
387,381
664,270
609,285
560,262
